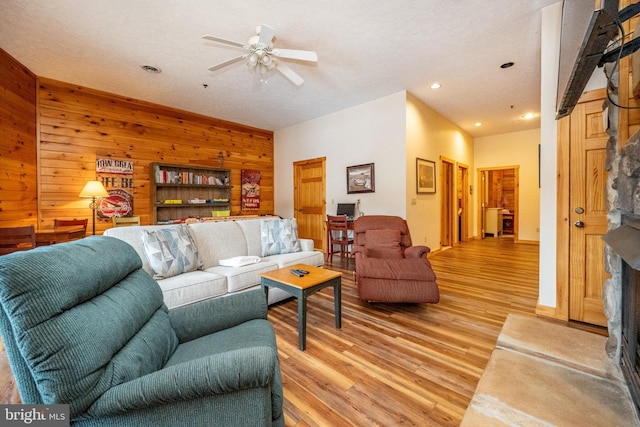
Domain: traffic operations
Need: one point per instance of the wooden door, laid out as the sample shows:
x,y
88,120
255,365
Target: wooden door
x,y
309,205
448,213
587,213
463,202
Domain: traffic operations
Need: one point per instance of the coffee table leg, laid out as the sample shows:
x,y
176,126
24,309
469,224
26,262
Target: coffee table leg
x,y
302,322
337,303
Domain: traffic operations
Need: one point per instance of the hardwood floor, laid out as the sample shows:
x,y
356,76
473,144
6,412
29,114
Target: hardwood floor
x,y
397,364
404,364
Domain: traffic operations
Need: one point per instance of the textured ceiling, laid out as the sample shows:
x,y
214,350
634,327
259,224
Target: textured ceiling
x,y
367,49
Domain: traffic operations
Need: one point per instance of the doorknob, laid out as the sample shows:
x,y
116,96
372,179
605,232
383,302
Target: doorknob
x,y
579,224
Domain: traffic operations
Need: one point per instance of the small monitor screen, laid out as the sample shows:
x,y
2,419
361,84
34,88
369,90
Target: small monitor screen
x,y
348,209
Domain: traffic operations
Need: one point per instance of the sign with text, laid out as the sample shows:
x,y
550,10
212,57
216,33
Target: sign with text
x,y
34,415
117,177
250,190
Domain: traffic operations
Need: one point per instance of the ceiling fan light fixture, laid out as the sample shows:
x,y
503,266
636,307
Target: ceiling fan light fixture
x,y
262,58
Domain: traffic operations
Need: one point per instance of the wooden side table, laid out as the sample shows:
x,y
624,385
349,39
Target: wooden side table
x,y
302,287
50,236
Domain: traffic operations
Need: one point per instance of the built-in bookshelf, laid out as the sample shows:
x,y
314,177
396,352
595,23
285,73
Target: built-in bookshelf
x,y
180,191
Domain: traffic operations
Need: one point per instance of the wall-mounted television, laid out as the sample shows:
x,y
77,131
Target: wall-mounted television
x,y
585,35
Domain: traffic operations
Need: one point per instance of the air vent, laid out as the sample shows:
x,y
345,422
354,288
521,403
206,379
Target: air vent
x,y
151,69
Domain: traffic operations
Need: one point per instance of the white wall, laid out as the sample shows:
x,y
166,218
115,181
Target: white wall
x,y
431,136
373,132
550,54
516,149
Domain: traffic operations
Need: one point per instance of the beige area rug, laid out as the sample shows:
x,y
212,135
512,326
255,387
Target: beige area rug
x,y
542,373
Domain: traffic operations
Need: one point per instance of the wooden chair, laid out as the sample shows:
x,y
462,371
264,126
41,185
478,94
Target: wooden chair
x,y
13,239
57,223
338,235
125,221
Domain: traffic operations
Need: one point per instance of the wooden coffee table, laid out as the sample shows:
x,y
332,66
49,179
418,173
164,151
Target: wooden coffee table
x,y
302,287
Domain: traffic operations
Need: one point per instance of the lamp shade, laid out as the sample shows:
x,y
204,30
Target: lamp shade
x,y
94,189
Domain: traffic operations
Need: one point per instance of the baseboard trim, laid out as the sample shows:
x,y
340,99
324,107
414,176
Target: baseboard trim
x,y
546,311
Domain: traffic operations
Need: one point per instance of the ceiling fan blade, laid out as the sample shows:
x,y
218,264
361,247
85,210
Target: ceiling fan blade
x,y
225,41
289,73
302,55
227,62
266,34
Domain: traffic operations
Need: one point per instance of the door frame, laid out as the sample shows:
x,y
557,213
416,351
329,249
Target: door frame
x,y
463,191
448,210
483,193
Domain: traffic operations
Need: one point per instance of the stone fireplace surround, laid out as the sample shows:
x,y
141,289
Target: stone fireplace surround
x,y
622,252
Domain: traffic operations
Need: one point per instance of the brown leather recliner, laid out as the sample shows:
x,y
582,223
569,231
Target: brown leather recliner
x,y
388,267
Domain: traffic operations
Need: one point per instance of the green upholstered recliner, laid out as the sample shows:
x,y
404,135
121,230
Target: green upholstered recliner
x,y
84,324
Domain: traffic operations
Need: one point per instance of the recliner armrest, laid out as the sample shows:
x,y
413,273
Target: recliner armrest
x,y
207,376
362,250
215,314
416,251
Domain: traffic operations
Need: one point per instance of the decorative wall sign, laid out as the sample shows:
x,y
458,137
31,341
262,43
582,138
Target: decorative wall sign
x,y
361,179
425,176
250,190
117,178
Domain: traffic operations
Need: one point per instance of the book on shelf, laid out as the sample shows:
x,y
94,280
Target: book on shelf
x,y
164,176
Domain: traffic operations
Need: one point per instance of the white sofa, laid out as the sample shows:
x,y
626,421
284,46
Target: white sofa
x,y
217,241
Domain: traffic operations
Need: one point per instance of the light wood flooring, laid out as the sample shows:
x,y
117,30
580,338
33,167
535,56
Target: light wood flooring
x,y
397,364
404,364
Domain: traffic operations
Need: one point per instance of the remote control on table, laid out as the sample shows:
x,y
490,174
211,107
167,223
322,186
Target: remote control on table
x,y
296,273
303,271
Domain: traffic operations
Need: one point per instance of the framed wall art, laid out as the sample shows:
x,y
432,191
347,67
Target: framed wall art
x,y
361,179
425,176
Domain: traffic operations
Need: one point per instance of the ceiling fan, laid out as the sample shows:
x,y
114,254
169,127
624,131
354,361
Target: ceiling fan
x,y
262,57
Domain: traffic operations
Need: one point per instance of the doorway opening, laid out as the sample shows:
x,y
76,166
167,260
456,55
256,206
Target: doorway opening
x,y
498,195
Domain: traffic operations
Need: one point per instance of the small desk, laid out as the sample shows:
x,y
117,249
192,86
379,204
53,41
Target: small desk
x,y
302,287
50,236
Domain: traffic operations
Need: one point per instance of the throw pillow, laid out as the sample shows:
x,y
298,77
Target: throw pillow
x,y
171,251
383,243
279,236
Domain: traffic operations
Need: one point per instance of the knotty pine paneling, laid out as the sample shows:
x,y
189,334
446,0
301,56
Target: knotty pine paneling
x,y
78,125
18,147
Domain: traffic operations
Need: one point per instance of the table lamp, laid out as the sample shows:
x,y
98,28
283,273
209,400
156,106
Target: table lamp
x,y
94,189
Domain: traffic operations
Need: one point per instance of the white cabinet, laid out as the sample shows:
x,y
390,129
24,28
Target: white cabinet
x,y
493,221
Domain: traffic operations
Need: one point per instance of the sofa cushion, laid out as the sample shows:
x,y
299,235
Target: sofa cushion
x,y
193,286
218,240
383,243
171,251
240,278
279,236
252,232
314,258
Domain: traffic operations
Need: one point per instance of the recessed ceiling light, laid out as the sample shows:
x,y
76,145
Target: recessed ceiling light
x,y
528,116
507,65
151,69
478,124
435,85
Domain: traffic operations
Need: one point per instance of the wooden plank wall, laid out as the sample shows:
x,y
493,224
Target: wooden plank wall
x,y
18,174
77,125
